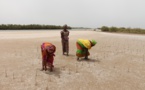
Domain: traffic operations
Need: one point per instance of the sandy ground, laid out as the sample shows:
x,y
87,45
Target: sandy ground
x,y
117,62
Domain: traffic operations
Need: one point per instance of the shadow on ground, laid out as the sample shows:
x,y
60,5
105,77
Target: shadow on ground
x,y
89,60
56,72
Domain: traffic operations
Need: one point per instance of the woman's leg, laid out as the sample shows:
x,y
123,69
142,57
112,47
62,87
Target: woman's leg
x,y
45,65
86,54
62,47
51,68
67,47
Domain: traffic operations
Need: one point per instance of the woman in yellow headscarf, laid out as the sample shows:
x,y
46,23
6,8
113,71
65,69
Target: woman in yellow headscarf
x,y
83,46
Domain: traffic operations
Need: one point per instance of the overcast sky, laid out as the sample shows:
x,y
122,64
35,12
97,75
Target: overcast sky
x,y
78,13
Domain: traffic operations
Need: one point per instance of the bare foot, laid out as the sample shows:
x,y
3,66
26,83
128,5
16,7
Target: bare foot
x,y
86,58
42,69
45,69
51,69
77,58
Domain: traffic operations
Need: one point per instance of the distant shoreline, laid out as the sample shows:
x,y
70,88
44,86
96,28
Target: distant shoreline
x,y
123,30
29,26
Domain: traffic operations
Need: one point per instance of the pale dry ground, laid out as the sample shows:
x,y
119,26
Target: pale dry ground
x,y
117,62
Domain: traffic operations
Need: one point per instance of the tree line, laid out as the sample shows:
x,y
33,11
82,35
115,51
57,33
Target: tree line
x,y
123,30
30,26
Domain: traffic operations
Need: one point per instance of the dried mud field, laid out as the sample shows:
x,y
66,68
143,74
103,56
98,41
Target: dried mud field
x,y
117,62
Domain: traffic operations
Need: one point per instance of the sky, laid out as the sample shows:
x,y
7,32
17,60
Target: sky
x,y
75,13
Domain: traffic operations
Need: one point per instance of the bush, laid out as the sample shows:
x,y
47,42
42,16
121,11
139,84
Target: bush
x,y
123,30
30,26
113,29
104,29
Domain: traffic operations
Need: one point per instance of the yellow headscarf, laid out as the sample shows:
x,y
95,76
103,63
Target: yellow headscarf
x,y
86,43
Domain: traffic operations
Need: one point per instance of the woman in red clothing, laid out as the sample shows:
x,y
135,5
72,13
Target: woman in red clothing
x,y
48,51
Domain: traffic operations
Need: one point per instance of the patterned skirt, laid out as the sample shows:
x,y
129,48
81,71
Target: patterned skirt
x,y
47,57
65,46
81,52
